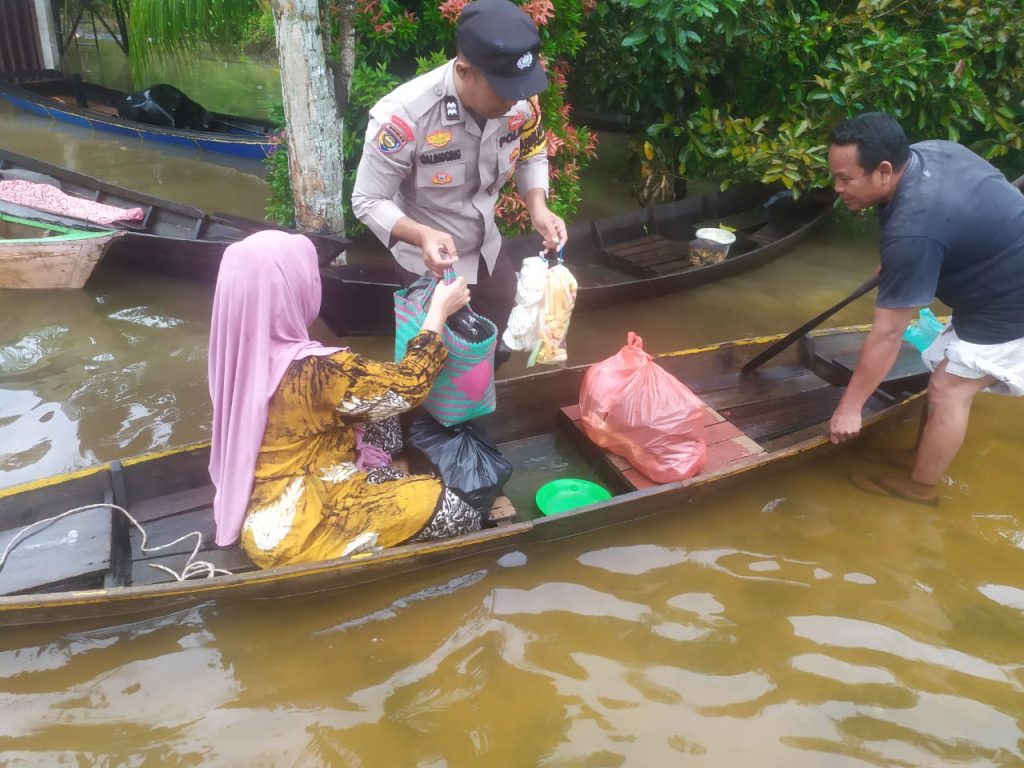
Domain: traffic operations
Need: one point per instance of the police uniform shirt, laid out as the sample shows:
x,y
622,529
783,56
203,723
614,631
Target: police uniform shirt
x,y
427,158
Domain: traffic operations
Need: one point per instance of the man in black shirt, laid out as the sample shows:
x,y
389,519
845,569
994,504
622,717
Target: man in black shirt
x,y
952,229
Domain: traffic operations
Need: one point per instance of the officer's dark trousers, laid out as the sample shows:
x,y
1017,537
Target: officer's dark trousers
x,y
494,294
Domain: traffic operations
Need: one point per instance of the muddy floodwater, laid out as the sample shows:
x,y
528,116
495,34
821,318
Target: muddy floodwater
x,y
791,622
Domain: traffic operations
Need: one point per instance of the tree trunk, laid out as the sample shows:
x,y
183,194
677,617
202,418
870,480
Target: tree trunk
x,y
315,162
346,54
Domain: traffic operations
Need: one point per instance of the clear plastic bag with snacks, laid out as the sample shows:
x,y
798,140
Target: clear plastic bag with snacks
x,y
539,322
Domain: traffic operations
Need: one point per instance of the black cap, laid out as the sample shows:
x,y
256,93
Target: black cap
x,y
499,39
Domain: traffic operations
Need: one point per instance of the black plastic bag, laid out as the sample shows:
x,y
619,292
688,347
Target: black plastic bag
x,y
464,323
464,457
470,326
166,106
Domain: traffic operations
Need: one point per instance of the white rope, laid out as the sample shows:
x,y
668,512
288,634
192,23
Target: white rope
x,y
192,567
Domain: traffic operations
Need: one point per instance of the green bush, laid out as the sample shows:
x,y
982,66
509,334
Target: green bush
x,y
395,41
748,89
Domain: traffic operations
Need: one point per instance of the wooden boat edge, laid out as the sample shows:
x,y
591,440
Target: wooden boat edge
x,y
12,91
344,573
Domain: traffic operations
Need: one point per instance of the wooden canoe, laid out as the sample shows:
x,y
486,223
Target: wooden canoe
x,y
172,238
36,255
90,565
71,100
629,257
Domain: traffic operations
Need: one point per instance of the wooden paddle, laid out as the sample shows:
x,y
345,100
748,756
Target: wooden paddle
x,y
784,342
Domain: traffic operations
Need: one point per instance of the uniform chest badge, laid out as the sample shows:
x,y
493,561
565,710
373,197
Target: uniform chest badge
x,y
441,179
390,139
513,156
515,122
438,138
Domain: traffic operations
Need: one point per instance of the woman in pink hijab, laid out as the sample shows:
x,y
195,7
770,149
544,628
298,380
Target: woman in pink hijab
x,y
289,413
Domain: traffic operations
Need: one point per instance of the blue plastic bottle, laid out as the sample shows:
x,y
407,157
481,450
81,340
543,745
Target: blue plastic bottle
x,y
924,330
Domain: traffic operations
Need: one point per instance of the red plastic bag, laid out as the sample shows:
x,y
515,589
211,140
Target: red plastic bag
x,y
631,406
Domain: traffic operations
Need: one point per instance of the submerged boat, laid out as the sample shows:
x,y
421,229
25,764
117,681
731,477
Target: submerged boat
x,y
164,236
37,255
69,99
91,564
633,256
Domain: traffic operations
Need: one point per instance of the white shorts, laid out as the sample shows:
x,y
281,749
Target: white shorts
x,y
973,361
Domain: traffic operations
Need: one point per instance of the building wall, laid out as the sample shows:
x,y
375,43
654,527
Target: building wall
x,y
27,38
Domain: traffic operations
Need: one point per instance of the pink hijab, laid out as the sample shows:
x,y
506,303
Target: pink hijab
x,y
268,292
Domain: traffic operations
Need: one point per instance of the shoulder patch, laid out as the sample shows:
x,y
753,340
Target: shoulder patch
x,y
515,122
438,138
403,127
390,139
451,108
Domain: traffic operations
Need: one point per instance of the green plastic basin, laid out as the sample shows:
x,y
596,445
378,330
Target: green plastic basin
x,y
569,493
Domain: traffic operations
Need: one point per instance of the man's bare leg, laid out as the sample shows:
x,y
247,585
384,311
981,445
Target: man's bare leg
x,y
943,427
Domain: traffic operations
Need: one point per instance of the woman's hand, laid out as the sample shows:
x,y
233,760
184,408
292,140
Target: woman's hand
x,y
446,301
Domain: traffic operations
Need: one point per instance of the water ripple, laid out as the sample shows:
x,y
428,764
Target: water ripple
x,y
559,597
841,632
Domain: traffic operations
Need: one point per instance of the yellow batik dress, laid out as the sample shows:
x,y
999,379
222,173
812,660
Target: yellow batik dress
x,y
309,500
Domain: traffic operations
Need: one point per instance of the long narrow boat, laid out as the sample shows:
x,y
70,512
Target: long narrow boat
x,y
67,99
629,257
36,255
91,564
170,238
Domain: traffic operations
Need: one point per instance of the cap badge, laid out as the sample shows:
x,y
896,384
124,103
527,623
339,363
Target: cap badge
x,y
525,60
438,138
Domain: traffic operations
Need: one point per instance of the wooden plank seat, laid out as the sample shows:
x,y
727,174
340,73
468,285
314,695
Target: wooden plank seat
x,y
770,232
726,444
908,364
167,517
648,256
71,553
744,221
503,512
837,360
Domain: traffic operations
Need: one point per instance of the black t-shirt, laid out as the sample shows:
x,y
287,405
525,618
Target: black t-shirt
x,y
954,229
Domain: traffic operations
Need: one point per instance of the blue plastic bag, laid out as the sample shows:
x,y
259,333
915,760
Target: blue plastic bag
x,y
924,330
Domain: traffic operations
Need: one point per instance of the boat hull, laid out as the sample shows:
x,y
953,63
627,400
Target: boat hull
x,y
358,297
50,260
173,239
256,147
527,406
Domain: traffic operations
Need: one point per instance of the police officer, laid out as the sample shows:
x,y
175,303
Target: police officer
x,y
439,149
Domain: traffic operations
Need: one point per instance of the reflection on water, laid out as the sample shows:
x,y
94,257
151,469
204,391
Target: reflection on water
x,y
92,375
651,645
